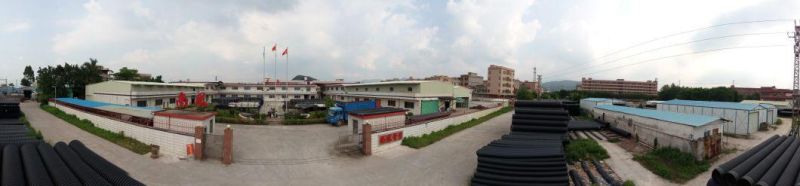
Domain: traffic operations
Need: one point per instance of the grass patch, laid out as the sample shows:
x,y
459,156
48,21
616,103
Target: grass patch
x,y
628,183
427,139
585,149
117,138
779,121
32,132
672,164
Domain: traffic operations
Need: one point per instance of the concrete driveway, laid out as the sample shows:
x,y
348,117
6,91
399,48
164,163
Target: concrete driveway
x,y
450,161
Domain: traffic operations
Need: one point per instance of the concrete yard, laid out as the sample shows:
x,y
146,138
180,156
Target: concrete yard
x,y
293,155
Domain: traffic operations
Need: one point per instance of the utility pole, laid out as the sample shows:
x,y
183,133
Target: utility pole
x,y
796,84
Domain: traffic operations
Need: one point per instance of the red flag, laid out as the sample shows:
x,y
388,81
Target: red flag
x,y
274,47
285,52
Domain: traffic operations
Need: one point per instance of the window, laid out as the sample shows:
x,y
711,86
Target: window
x,y
391,89
259,88
141,103
283,96
296,88
356,89
296,96
159,102
271,88
235,88
283,88
378,89
271,96
172,100
410,89
391,103
246,96
409,105
308,89
246,88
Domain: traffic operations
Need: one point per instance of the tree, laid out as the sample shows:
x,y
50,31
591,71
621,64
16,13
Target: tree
x,y
60,80
27,76
126,73
524,94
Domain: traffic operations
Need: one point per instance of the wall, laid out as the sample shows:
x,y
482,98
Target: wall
x,y
426,128
170,143
741,123
181,125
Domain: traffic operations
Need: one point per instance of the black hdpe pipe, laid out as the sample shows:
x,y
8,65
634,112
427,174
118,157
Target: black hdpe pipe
x,y
774,172
588,172
35,172
619,131
791,170
534,111
481,181
539,104
577,180
12,171
722,169
525,179
540,117
57,167
755,174
539,129
525,122
520,173
605,174
736,172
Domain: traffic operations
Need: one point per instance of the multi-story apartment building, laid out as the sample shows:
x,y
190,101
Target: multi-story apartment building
x,y
274,95
619,86
418,97
470,80
141,94
500,82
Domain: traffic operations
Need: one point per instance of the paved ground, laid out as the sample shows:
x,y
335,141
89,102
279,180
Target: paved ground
x,y
451,161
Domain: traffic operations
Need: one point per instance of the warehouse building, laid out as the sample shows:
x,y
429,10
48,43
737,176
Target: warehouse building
x,y
696,134
418,97
141,94
744,118
588,104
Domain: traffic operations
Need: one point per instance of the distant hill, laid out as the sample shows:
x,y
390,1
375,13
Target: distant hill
x,y
560,85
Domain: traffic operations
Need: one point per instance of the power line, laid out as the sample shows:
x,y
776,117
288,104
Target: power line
x,y
668,46
680,33
684,54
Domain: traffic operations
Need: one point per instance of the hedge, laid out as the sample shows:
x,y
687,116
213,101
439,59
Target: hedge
x,y
117,138
427,139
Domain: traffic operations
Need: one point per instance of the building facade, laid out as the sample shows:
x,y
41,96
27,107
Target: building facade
x,y
500,82
698,135
619,86
418,97
745,119
275,96
470,80
532,86
141,94
765,93
442,78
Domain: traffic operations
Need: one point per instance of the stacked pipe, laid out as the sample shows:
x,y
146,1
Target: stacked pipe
x,y
532,154
9,108
773,162
12,130
41,164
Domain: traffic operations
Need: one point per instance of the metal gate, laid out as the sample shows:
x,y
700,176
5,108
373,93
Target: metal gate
x,y
213,146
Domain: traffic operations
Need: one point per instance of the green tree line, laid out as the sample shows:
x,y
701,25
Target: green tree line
x,y
669,92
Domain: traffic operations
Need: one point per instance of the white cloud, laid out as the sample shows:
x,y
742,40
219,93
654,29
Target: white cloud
x,y
16,27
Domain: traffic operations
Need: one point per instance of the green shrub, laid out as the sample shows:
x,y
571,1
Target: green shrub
x,y
628,183
433,137
304,121
672,164
293,115
32,132
779,121
318,114
86,125
585,149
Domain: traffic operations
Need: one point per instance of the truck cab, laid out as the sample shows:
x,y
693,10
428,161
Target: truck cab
x,y
335,116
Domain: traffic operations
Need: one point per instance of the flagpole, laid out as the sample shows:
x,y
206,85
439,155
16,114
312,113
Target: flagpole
x,y
275,53
286,101
264,67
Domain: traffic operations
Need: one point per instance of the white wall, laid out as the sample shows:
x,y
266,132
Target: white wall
x,y
426,128
171,144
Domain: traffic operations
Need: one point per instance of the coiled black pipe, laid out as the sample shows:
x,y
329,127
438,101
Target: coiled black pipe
x,y
55,166
753,175
611,180
12,166
35,172
736,172
577,180
722,169
774,172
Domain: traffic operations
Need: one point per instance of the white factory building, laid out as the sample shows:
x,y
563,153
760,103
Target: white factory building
x,y
696,134
141,94
744,118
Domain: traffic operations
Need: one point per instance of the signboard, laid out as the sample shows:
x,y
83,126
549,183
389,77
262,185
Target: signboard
x,y
391,137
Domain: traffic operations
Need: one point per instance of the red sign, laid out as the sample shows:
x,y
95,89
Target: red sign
x,y
391,137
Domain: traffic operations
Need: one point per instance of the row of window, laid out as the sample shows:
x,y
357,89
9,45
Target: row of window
x,y
390,103
270,88
378,89
261,96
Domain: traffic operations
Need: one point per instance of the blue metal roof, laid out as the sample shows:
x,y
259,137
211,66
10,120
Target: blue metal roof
x,y
597,99
713,104
674,117
95,104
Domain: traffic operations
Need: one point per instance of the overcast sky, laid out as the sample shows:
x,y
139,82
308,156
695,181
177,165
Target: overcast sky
x,y
357,40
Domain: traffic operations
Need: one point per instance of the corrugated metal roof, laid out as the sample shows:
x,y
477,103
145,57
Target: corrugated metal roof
x,y
713,104
196,85
597,99
674,117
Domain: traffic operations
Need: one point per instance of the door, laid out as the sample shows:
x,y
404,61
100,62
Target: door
x,y
429,106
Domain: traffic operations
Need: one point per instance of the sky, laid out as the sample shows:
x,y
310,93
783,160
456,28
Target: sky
x,y
692,43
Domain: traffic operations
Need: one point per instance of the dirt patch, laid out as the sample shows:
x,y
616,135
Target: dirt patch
x,y
632,146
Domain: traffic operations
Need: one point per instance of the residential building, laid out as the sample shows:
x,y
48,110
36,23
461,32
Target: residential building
x,y
418,97
619,86
500,82
765,93
441,78
141,94
744,118
470,80
274,95
698,135
532,86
